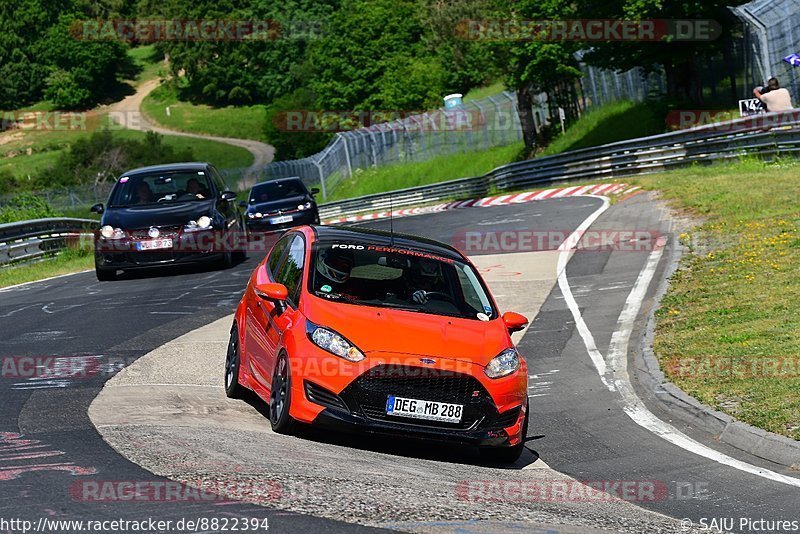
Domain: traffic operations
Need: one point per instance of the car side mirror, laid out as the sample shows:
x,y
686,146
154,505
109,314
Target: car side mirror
x,y
514,321
228,196
273,292
242,204
314,191
97,208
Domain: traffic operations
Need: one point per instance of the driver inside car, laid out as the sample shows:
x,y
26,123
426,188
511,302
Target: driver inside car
x,y
336,266
424,277
193,187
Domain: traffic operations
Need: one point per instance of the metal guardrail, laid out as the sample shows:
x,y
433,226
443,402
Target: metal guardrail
x,y
26,241
764,136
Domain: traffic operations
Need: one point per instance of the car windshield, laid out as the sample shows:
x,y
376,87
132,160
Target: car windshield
x,y
373,275
271,191
161,187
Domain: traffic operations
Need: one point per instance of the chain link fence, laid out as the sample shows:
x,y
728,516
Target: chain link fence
x,y
772,32
472,126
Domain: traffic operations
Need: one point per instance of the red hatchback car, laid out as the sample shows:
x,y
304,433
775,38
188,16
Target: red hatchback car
x,y
360,329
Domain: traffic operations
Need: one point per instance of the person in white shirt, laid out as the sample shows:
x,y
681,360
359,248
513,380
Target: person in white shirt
x,y
776,98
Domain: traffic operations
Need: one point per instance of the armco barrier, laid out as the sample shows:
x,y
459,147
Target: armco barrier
x,y
26,241
766,136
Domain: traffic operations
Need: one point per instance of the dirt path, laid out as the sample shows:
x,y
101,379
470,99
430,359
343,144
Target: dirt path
x,y
129,111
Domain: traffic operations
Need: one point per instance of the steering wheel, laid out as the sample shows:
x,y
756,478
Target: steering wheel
x,y
439,295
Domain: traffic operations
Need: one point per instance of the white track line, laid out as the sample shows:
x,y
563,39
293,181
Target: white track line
x,y
617,378
563,284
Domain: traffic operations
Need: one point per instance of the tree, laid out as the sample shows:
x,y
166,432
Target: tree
x,y
39,57
535,64
678,58
374,57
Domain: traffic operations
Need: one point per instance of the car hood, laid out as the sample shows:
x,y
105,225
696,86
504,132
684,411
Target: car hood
x,y
285,204
403,332
175,214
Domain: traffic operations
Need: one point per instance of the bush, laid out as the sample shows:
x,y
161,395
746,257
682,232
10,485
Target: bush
x,y
103,156
8,183
25,206
292,144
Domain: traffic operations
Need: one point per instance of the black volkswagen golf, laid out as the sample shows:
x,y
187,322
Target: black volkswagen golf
x,y
280,204
168,214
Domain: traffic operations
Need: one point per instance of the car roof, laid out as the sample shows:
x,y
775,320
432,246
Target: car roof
x,y
366,236
169,167
279,181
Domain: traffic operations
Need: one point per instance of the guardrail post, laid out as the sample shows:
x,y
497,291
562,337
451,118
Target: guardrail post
x,y
497,119
343,137
321,180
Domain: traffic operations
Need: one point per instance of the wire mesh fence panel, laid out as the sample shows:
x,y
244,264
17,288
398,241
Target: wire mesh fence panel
x,y
773,33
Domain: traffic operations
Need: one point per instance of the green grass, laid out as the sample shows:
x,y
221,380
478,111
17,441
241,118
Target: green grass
x,y
402,175
483,92
45,147
613,122
147,58
735,301
245,122
68,261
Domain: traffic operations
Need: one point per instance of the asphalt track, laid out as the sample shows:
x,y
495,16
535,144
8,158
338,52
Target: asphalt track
x,y
580,427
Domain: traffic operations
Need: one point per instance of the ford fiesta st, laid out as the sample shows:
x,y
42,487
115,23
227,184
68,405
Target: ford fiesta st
x,y
389,333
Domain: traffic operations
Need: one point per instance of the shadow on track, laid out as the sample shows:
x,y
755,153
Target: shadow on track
x,y
394,445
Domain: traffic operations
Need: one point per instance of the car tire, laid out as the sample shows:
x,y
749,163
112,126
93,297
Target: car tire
x,y
280,397
227,259
508,455
105,275
233,360
240,255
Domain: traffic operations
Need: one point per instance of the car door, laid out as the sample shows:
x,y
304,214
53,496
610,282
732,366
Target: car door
x,y
228,208
290,274
256,343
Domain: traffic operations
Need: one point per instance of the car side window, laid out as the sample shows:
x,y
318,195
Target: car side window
x,y
219,183
276,256
290,273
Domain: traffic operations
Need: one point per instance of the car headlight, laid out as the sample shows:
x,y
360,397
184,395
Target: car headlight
x,y
305,206
110,232
251,215
203,223
503,364
258,215
334,343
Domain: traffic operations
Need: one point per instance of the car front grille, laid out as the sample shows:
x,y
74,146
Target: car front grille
x,y
369,393
165,232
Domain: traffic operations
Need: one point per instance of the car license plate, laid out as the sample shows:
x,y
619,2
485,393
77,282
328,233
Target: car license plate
x,y
282,219
154,244
423,409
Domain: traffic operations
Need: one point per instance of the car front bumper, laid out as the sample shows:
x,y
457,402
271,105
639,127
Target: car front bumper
x,y
299,218
198,247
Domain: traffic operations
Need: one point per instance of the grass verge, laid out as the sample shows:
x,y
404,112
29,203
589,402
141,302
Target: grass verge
x,y
607,124
72,260
439,169
245,122
728,331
